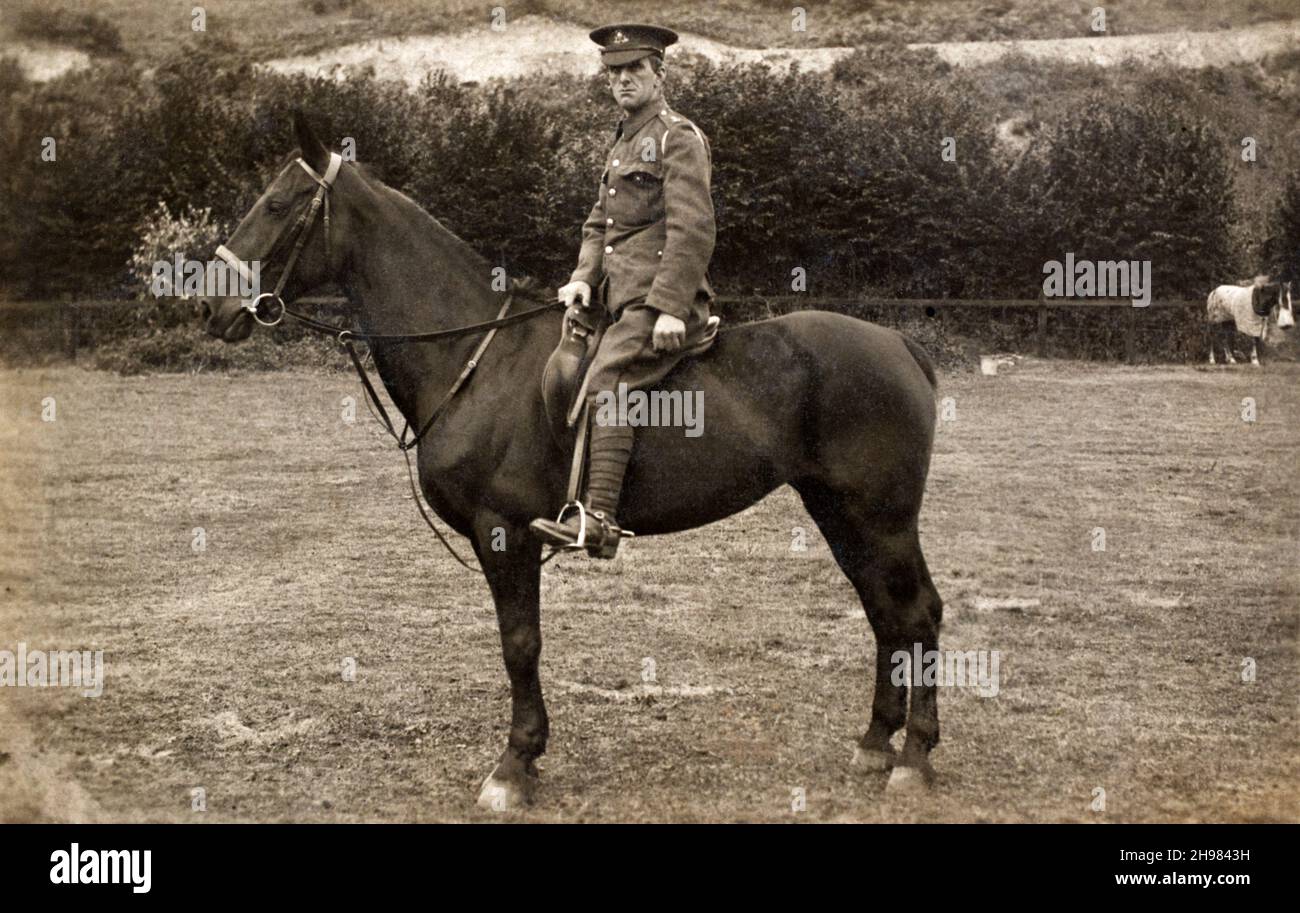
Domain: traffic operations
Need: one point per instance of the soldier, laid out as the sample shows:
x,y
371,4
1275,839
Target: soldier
x,y
646,246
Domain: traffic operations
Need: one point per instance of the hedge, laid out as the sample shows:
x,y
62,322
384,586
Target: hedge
x,y
839,173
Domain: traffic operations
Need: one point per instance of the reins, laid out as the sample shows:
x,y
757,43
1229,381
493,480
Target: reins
x,y
347,337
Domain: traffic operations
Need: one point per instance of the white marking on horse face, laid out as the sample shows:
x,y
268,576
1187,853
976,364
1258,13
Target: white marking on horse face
x,y
1285,313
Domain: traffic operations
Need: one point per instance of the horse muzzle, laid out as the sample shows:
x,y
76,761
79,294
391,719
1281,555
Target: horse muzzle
x,y
219,321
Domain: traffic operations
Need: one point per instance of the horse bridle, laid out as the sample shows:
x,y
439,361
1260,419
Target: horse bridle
x,y
302,228
346,337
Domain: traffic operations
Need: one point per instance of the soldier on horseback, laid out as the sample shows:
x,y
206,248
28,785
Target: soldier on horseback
x,y
645,254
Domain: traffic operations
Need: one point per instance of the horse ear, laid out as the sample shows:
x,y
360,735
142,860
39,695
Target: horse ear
x,y
313,151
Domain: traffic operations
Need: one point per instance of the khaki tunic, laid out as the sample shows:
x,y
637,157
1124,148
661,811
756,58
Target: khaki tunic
x,y
648,239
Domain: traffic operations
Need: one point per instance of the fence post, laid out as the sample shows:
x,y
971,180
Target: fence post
x,y
1130,343
70,330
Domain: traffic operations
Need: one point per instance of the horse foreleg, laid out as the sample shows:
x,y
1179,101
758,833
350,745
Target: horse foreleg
x,y
510,558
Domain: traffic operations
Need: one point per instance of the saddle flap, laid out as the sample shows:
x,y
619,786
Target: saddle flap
x,y
566,369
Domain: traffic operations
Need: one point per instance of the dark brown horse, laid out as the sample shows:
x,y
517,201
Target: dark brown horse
x,y
841,409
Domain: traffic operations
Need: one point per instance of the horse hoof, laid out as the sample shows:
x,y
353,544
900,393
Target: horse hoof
x,y
500,795
870,760
907,781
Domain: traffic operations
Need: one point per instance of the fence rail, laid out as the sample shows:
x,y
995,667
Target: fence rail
x,y
73,315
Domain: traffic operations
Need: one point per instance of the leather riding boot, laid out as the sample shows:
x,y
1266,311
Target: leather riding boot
x,y
610,449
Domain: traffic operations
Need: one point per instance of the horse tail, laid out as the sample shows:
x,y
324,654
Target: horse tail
x,y
922,359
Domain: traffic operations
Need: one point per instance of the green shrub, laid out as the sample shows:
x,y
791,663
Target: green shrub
x,y
1283,255
193,234
1139,178
87,31
841,175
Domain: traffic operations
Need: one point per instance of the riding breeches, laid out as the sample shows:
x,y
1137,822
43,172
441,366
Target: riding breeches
x,y
626,353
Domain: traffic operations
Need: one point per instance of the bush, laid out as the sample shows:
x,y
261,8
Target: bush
x,y
87,31
326,7
194,235
785,175
1141,179
1283,249
840,175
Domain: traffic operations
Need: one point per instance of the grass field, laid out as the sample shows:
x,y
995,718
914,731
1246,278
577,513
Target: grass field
x,y
276,28
1120,670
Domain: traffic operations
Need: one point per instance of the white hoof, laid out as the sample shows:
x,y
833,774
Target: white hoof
x,y
871,761
501,795
906,781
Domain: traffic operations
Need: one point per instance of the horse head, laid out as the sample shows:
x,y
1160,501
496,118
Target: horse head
x,y
290,235
1285,312
1271,298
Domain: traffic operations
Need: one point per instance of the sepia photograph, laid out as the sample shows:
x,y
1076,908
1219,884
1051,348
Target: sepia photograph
x,y
872,412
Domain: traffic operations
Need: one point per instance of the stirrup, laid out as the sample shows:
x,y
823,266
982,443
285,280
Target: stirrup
x,y
581,541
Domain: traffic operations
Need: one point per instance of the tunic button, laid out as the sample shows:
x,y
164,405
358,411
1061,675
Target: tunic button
x,y
615,163
608,249
612,191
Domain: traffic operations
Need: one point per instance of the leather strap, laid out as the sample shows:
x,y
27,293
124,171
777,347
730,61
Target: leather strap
x,y
403,444
579,458
302,227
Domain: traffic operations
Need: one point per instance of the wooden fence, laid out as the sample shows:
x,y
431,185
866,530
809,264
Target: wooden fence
x,y
77,318
1042,306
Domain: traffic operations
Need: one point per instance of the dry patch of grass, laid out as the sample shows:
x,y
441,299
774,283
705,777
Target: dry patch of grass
x,y
1121,669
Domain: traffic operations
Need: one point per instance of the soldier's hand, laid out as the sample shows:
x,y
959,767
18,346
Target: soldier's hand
x,y
579,291
669,333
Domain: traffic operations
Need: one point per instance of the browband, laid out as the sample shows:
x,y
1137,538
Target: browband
x,y
326,181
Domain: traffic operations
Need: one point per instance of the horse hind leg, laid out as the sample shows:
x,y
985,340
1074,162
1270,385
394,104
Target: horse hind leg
x,y
889,574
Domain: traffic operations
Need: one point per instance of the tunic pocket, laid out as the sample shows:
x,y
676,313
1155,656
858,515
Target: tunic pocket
x,y
636,193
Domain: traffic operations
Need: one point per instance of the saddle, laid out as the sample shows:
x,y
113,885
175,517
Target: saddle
x,y
564,380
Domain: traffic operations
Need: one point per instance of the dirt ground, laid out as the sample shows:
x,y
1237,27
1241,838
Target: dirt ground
x,y
1121,670
535,44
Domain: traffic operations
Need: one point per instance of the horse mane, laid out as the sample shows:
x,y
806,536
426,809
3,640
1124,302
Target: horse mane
x,y
525,286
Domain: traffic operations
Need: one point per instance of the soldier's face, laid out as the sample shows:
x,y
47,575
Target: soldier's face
x,y
635,84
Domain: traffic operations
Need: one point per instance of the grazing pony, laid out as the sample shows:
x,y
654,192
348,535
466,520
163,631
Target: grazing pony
x,y
1247,309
